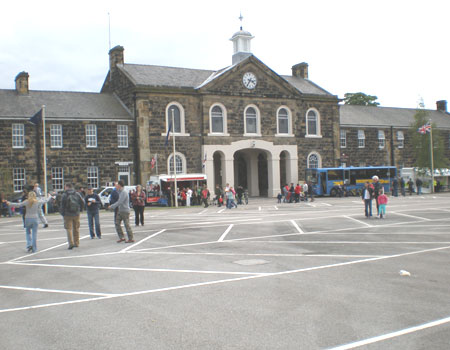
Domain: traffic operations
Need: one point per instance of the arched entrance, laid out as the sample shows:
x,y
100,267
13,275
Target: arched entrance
x,y
263,179
251,171
218,159
283,173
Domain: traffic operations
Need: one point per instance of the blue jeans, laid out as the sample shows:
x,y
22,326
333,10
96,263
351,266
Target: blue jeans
x,y
31,228
368,207
94,216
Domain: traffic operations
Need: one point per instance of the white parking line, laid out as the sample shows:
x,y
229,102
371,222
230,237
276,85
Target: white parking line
x,y
221,211
392,335
56,291
410,216
297,227
203,211
142,241
358,221
225,233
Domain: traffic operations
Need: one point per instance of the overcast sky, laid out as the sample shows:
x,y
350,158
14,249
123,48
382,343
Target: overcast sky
x,y
397,50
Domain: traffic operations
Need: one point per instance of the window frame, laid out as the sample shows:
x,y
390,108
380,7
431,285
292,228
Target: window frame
x,y
122,136
90,137
18,135
319,160
224,121
182,120
343,140
56,136
318,133
57,174
289,122
258,121
19,182
401,140
361,140
92,176
381,139
170,163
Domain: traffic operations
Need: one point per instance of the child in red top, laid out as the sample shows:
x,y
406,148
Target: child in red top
x,y
382,201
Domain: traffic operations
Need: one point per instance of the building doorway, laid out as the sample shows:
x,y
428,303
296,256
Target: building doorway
x,y
218,159
263,178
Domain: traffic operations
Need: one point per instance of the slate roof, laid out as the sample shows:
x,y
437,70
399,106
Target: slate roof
x,y
365,116
160,76
173,77
62,105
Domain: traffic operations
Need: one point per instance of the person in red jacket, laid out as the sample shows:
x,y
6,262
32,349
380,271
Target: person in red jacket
x,y
205,196
382,202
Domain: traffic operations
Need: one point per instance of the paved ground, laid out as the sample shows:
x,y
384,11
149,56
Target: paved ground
x,y
263,276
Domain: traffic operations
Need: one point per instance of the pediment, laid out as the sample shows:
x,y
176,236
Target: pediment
x,y
239,80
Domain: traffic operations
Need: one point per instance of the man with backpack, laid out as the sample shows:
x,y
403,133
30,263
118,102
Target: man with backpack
x,y
71,206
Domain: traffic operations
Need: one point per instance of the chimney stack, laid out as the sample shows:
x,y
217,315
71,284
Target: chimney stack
x,y
22,83
115,57
300,70
441,106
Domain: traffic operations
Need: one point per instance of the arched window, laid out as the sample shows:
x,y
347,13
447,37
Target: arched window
x,y
283,122
217,120
251,121
175,113
312,123
180,163
313,160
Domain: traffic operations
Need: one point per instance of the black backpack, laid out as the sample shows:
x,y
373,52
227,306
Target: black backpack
x,y
73,203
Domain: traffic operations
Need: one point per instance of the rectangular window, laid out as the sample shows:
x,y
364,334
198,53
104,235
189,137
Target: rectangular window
x,y
56,136
122,136
58,179
361,139
18,136
381,139
400,139
91,135
92,176
18,179
343,139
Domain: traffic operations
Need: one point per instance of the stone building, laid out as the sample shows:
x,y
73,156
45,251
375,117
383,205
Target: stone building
x,y
243,124
89,138
374,136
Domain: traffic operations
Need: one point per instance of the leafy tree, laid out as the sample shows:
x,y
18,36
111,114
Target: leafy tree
x,y
421,143
360,99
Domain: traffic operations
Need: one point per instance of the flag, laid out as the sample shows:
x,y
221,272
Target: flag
x,y
168,134
424,129
204,161
153,162
36,119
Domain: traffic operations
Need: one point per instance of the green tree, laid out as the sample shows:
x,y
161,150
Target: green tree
x,y
421,143
360,99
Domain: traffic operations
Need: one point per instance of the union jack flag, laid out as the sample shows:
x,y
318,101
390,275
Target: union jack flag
x,y
204,161
424,129
153,162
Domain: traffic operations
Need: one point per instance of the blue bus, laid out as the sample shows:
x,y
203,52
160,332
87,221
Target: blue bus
x,y
349,180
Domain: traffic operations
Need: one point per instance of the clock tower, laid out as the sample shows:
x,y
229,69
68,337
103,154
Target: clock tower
x,y
241,44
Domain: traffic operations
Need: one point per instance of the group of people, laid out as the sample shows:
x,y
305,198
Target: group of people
x,y
187,196
71,205
229,196
291,194
375,191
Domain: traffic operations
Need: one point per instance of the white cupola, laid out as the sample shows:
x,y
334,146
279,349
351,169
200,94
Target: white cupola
x,y
241,44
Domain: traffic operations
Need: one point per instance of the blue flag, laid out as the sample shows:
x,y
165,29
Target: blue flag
x,y
36,119
168,134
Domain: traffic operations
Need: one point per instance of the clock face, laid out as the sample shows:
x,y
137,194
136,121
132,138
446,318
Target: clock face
x,y
249,80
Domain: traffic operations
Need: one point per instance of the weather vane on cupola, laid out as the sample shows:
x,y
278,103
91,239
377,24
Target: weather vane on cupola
x,y
241,18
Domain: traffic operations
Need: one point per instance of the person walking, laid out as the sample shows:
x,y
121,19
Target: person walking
x,y
123,213
188,197
310,191
42,218
205,196
402,186
367,196
92,202
419,184
395,187
113,198
71,206
33,206
138,200
410,186
305,190
377,188
382,202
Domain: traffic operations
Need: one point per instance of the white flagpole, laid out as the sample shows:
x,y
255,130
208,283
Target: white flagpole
x,y
174,162
45,156
432,158
156,161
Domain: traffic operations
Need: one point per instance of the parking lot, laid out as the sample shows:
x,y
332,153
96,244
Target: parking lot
x,y
263,276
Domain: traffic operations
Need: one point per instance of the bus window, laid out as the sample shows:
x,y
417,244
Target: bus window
x,y
334,175
311,175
